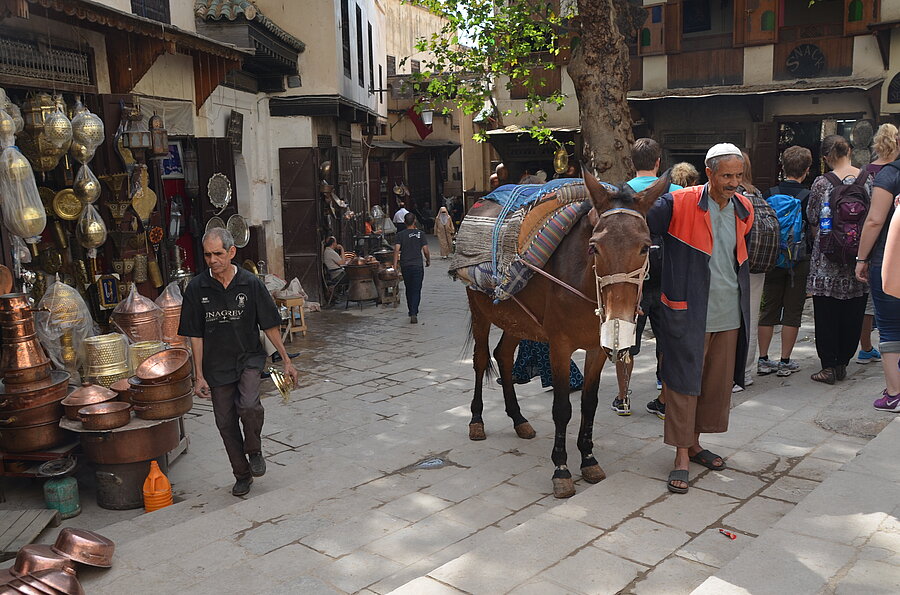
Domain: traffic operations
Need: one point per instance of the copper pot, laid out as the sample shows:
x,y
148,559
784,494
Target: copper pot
x,y
15,306
131,445
164,367
18,329
158,392
38,414
34,437
167,409
88,394
25,376
60,580
14,396
85,546
34,557
105,416
123,389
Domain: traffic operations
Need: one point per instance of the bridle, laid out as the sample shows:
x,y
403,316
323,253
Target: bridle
x,y
636,276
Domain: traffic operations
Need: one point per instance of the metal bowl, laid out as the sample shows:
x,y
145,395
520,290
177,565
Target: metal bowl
x,y
85,546
61,580
166,366
34,557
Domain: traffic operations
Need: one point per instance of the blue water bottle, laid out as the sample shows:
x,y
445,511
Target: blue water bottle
x,y
825,219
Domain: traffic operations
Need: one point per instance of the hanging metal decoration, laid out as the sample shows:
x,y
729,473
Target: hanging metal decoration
x,y
159,138
23,211
218,189
237,225
42,152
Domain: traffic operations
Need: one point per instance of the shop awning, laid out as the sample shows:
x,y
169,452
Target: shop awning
x,y
389,144
821,85
212,59
322,105
434,143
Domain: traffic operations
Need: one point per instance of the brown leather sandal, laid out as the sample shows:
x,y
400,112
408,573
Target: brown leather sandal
x,y
825,375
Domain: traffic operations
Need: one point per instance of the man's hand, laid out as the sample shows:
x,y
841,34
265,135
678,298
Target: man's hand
x,y
201,388
291,372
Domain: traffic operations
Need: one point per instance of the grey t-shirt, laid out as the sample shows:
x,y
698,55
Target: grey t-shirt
x,y
723,312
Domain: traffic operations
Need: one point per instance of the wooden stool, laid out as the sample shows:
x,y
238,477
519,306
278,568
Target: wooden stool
x,y
291,304
389,292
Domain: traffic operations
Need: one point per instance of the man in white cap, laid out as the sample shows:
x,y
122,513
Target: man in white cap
x,y
705,295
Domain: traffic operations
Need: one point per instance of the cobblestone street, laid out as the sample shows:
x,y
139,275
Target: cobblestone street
x,y
356,500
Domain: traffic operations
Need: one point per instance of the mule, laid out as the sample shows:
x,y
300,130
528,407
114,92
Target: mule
x,y
606,252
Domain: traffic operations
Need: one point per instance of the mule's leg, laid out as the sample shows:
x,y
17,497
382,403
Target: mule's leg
x,y
563,486
504,353
593,366
481,357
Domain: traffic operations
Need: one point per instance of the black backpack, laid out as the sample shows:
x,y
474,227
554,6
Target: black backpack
x,y
849,206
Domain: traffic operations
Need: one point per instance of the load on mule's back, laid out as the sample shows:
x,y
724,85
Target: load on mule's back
x,y
560,263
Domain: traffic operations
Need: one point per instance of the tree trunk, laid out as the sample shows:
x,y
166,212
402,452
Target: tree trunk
x,y
600,70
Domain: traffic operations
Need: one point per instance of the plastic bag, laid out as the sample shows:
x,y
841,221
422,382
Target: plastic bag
x,y
170,301
293,290
274,283
388,226
138,318
63,321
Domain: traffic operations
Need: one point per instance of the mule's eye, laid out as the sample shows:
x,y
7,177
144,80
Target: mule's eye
x,y
592,249
645,249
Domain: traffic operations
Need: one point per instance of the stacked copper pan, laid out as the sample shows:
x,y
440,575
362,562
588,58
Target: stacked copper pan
x,y
162,387
171,308
30,393
107,358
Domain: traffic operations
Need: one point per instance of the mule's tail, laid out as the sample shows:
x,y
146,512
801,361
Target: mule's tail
x,y
468,351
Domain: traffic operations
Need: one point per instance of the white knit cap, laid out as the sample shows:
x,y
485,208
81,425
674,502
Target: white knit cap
x,y
722,149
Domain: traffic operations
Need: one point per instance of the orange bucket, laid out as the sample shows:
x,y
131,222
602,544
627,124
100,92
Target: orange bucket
x,y
157,489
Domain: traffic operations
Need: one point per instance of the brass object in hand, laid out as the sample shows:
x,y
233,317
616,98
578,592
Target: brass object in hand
x,y
283,383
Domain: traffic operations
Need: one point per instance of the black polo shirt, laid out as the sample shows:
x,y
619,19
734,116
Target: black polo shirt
x,y
228,320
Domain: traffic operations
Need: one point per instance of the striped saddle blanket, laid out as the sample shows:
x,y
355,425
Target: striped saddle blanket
x,y
496,239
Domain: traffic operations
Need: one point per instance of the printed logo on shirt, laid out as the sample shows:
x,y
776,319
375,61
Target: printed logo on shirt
x,y
204,300
224,315
241,300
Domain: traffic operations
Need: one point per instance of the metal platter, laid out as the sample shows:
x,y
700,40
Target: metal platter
x,y
250,266
237,225
218,189
66,205
214,222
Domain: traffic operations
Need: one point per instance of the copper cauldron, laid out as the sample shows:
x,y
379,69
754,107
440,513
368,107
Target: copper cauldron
x,y
85,546
88,394
127,445
34,557
166,366
167,409
15,306
39,414
21,396
158,392
35,437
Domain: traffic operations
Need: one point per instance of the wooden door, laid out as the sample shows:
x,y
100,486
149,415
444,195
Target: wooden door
x,y
765,156
300,215
755,22
214,155
650,36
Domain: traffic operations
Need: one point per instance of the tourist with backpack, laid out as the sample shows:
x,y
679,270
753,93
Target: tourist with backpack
x,y
836,211
784,291
870,260
762,253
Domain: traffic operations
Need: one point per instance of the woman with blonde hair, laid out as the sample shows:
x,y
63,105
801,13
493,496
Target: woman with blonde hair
x,y
684,174
871,257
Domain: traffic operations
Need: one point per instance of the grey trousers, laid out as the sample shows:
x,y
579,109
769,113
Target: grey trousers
x,y
239,402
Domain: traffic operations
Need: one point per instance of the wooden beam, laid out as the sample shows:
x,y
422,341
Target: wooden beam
x,y
209,73
129,60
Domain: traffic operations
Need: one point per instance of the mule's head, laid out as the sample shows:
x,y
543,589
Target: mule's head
x,y
620,249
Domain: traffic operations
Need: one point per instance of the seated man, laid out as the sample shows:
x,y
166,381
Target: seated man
x,y
333,259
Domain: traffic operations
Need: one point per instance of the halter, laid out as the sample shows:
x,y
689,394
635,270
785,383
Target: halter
x,y
636,276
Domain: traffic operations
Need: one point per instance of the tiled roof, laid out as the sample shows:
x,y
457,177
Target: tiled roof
x,y
215,10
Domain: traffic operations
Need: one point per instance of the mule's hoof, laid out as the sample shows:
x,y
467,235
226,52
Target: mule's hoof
x,y
593,474
476,431
524,430
563,487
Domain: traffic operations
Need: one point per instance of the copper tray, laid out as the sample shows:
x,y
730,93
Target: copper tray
x,y
85,546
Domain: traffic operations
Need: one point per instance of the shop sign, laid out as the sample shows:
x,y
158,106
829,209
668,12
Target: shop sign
x,y
234,131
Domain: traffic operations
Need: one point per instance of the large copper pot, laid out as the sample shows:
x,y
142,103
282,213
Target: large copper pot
x,y
164,367
30,438
166,409
22,328
14,306
23,360
158,392
25,377
87,394
127,445
22,396
34,557
171,309
39,414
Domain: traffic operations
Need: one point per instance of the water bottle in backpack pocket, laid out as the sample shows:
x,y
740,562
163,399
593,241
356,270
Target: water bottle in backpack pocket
x,y
849,206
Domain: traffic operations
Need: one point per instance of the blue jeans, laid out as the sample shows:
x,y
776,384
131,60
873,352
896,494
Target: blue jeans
x,y
887,312
412,278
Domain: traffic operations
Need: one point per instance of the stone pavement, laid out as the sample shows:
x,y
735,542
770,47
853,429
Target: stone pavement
x,y
373,486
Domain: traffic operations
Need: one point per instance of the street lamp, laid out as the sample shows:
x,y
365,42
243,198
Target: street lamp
x,y
427,116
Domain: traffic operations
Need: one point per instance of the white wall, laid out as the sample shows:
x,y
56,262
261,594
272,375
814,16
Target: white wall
x,y
801,104
182,14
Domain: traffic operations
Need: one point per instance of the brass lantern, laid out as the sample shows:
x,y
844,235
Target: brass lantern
x,y
136,136
23,212
159,138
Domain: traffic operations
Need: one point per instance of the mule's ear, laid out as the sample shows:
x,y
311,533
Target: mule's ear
x,y
644,200
599,194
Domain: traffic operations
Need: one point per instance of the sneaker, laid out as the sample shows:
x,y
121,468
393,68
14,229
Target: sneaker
x,y
787,368
766,366
737,388
257,464
242,487
619,406
888,403
748,379
872,355
414,320
656,408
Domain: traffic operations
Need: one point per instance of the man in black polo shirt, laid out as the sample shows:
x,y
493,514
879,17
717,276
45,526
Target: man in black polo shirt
x,y
409,245
223,310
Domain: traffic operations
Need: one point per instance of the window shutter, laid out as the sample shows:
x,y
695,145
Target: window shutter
x,y
858,14
672,26
650,37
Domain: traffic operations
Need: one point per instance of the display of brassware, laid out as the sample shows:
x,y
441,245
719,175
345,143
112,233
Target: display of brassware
x,y
7,130
237,225
140,268
42,152
138,317
66,205
218,189
91,229
105,350
87,186
141,350
23,212
58,129
87,134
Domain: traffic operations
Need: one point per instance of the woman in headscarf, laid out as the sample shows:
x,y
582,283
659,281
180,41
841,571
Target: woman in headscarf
x,y
444,230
